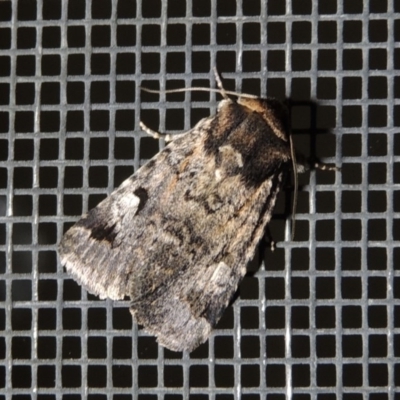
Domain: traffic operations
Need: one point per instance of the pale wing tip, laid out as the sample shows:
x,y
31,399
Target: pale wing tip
x,y
184,335
188,342
91,277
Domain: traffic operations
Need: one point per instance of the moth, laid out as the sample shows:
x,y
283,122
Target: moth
x,y
177,235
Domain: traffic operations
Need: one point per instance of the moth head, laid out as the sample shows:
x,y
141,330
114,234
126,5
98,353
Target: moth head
x,y
272,111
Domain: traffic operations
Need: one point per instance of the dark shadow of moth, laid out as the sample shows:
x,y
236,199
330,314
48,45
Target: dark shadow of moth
x,y
177,235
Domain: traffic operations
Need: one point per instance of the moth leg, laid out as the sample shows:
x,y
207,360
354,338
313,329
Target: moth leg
x,y
156,135
269,239
303,165
324,167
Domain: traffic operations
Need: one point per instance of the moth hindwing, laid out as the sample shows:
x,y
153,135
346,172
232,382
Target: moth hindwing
x,y
178,234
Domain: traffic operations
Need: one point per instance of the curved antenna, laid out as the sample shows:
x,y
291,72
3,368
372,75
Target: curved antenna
x,y
296,184
223,93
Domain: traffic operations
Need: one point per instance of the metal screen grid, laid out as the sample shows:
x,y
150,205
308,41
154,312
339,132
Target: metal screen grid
x,y
318,318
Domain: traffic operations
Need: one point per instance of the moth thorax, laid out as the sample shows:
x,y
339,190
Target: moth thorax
x,y
273,112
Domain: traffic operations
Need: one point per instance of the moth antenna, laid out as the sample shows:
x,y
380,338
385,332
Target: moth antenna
x,y
219,83
223,93
296,184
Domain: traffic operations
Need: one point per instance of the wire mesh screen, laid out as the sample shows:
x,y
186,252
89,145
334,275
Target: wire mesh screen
x,y
317,318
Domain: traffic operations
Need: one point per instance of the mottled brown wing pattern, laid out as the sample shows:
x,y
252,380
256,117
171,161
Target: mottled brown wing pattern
x,y
177,235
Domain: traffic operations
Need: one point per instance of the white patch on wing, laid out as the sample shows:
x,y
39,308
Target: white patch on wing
x,y
231,154
129,202
221,274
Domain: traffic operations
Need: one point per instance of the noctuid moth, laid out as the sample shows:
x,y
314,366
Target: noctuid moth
x,y
177,235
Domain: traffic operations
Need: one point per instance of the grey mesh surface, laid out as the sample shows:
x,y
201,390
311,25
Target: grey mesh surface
x,y
317,319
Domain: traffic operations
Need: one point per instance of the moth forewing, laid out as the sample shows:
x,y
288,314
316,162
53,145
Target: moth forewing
x,y
177,235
